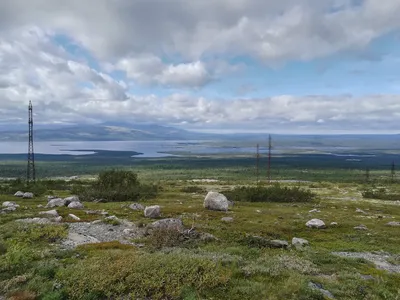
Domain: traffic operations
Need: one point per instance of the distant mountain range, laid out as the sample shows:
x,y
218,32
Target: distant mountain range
x,y
103,132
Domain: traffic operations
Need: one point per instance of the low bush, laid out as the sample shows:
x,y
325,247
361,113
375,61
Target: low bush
x,y
193,189
380,193
115,186
164,237
274,193
140,276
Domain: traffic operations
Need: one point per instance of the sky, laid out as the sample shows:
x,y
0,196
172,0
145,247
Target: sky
x,y
288,66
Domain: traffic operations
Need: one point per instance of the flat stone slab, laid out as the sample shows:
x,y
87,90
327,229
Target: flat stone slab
x,y
380,260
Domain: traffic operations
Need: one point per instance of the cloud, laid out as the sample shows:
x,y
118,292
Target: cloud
x,y
149,69
266,29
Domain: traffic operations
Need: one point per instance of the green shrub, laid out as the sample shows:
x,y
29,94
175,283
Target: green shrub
x,y
380,193
193,189
139,275
274,193
116,185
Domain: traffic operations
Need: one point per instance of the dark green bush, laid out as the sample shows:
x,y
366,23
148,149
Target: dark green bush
x,y
274,193
193,189
380,193
116,185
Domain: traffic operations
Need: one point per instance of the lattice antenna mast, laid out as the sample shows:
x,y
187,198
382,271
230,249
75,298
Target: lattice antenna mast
x,y
269,157
258,163
30,172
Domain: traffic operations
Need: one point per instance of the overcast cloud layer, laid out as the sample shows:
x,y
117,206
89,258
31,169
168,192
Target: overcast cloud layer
x,y
191,63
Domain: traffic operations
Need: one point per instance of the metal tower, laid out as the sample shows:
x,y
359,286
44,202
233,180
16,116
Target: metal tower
x,y
30,172
269,157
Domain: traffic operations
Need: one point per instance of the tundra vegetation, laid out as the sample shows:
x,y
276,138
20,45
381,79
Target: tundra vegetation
x,y
244,252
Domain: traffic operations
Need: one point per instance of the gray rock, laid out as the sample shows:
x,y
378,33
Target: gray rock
x,y
9,209
58,219
10,204
360,211
19,194
207,237
379,259
393,224
35,220
152,211
300,243
136,206
75,205
216,201
96,222
361,227
278,244
56,202
314,210
39,206
168,224
50,197
319,287
315,223
72,199
27,195
227,219
50,213
334,223
72,216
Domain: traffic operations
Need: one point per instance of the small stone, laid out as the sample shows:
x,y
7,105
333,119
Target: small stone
x,y
27,195
97,222
319,287
56,202
227,219
50,213
279,244
314,211
10,204
136,206
152,211
74,217
40,206
300,243
259,211
334,223
393,224
367,277
58,219
51,198
207,237
361,227
71,199
19,194
315,223
360,211
75,205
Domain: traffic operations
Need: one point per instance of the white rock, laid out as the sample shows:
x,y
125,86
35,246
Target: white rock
x,y
216,201
393,224
58,219
56,202
152,211
315,223
360,211
300,243
227,219
361,227
314,210
74,217
27,195
19,194
75,205
334,223
50,197
50,213
10,204
71,199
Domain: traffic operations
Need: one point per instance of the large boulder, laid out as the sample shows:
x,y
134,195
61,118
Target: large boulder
x,y
27,195
152,211
75,205
57,202
168,224
19,194
10,204
136,206
216,201
71,199
315,223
